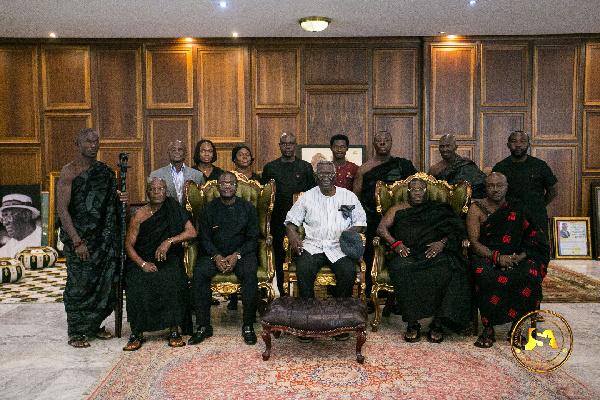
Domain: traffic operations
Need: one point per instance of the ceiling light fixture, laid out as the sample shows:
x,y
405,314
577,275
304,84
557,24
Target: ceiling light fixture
x,y
314,24
223,4
472,2
52,35
234,34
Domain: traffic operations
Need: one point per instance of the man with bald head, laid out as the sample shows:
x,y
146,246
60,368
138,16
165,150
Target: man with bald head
x,y
291,175
177,173
510,256
382,167
156,281
454,168
529,179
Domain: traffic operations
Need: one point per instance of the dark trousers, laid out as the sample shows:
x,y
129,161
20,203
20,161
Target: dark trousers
x,y
308,265
245,271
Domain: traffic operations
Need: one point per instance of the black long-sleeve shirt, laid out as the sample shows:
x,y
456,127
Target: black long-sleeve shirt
x,y
228,229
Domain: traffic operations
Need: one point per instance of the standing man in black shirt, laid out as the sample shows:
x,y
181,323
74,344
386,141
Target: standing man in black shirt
x,y
292,175
228,240
529,179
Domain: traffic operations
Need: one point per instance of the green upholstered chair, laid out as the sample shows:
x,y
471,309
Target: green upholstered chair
x,y
459,197
263,198
325,277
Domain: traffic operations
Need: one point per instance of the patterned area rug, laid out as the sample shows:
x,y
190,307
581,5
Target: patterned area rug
x,y
561,285
224,368
40,285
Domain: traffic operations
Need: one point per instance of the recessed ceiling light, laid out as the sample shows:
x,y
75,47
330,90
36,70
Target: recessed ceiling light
x,y
234,34
441,33
451,37
52,35
223,4
472,2
188,39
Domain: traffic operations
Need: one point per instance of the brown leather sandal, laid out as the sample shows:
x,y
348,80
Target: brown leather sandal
x,y
78,341
134,343
175,340
103,334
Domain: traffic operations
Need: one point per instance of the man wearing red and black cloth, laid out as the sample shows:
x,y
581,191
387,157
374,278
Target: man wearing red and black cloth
x,y
510,258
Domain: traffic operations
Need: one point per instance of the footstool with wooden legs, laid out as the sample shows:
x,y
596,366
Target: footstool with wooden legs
x,y
316,318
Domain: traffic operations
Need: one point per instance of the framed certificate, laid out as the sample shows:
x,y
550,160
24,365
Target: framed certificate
x,y
571,237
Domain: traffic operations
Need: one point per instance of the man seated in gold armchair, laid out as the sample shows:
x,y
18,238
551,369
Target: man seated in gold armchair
x,y
427,268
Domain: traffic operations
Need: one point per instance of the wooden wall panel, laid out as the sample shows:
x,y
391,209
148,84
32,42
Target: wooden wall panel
x,y
269,128
554,92
591,141
169,78
224,158
563,160
335,66
19,120
66,77
452,92
504,75
119,95
164,130
586,195
463,150
136,177
495,128
12,160
395,78
61,135
277,76
221,94
592,74
404,131
332,113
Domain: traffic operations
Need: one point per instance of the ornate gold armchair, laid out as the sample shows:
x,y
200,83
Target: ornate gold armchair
x,y
263,198
325,277
458,196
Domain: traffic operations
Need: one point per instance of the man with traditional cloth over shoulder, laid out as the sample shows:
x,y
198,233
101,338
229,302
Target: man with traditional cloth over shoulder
x,y
87,205
155,277
510,256
382,167
454,168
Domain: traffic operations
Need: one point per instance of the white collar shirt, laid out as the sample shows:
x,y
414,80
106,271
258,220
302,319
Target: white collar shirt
x,y
323,220
178,181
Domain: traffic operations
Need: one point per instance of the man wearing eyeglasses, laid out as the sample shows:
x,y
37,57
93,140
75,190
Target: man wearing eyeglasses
x,y
291,175
228,239
325,212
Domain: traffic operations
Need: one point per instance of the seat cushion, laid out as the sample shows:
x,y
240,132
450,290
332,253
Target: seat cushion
x,y
314,315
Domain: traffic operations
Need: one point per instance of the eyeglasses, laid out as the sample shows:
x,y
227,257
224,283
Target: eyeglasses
x,y
420,189
156,189
227,184
287,144
325,174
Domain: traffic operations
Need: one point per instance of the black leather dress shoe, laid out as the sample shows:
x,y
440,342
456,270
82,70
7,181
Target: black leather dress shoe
x,y
248,335
204,332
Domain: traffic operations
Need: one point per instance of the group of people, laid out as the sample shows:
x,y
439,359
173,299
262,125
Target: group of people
x,y
506,226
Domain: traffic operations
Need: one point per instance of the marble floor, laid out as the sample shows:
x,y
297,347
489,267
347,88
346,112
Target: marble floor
x,y
37,363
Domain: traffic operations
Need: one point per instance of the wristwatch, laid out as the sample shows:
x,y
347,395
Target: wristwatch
x,y
444,241
238,255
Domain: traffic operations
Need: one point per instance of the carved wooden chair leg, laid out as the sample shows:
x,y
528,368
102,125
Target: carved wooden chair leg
x,y
266,336
361,338
375,300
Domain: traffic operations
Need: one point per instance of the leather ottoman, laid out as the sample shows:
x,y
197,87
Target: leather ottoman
x,y
316,318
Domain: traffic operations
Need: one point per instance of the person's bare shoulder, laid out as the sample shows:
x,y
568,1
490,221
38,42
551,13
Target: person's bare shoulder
x,y
437,168
68,173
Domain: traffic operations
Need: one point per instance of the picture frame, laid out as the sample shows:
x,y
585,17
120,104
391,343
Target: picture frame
x,y
315,153
596,218
21,197
572,237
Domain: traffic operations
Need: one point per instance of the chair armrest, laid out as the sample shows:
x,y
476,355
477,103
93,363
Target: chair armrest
x,y
190,255
378,259
465,246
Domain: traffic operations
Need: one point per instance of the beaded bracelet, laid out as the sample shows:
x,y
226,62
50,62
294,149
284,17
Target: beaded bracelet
x,y
396,243
496,255
76,245
143,264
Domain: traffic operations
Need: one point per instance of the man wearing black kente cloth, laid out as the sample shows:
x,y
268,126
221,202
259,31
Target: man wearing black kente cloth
x,y
292,175
428,270
382,167
155,277
228,240
87,204
510,258
529,179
